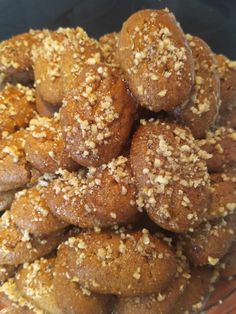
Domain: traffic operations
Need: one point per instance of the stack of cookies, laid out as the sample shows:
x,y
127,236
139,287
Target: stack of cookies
x,y
117,170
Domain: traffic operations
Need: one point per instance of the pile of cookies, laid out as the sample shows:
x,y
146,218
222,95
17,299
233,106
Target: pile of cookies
x,y
117,170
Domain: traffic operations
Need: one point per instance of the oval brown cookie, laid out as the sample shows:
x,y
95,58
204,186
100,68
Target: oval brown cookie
x,y
11,299
97,258
211,241
109,44
221,145
17,107
200,112
227,72
223,195
106,197
171,175
162,303
35,281
72,298
47,64
18,246
79,54
197,291
44,146
156,59
30,212
14,170
16,57
97,121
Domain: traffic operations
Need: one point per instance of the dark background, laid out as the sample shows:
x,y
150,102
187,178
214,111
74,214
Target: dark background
x,y
213,20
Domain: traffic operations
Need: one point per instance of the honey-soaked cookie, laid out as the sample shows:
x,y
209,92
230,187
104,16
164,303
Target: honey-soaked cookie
x,y
197,291
156,59
221,145
64,197
35,281
228,264
12,299
111,193
171,175
79,54
14,170
6,198
44,146
227,72
96,259
103,198
223,195
44,109
72,298
47,64
18,246
200,112
16,57
109,44
17,107
162,303
97,121
211,241
30,212
6,271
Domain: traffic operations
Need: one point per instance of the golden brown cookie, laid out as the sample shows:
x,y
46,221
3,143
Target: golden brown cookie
x,y
80,53
35,281
112,193
156,59
221,145
18,246
200,112
171,175
96,259
14,170
72,298
223,195
227,72
30,212
103,198
97,121
197,291
12,299
44,146
162,303
109,44
47,64
17,107
211,241
16,57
